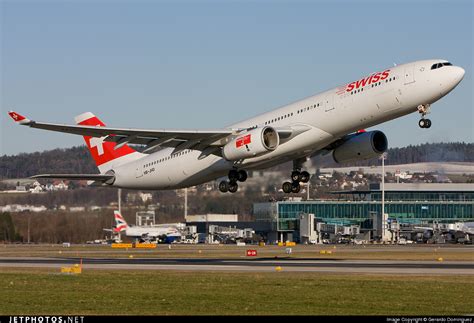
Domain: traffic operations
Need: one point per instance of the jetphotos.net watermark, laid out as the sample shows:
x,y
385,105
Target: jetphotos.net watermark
x,y
45,319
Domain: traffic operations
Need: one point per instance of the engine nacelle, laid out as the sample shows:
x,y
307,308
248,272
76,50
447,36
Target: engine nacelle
x,y
252,143
361,146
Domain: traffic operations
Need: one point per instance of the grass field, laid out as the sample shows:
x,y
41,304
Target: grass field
x,y
44,291
362,252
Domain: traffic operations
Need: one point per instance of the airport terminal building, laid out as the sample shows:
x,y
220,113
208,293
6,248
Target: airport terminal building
x,y
414,203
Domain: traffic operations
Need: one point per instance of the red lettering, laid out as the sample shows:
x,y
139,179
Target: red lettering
x,y
385,74
362,83
350,87
376,78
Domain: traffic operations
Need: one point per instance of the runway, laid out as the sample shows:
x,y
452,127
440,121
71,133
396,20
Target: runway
x,y
254,265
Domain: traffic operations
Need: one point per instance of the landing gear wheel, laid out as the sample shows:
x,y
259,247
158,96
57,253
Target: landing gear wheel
x,y
305,177
233,187
242,175
233,175
287,187
428,123
424,109
422,123
295,188
224,186
295,176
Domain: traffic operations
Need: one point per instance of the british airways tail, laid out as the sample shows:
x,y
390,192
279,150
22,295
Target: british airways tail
x,y
106,154
120,223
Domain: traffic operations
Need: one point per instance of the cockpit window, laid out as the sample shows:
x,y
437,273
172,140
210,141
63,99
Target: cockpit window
x,y
439,65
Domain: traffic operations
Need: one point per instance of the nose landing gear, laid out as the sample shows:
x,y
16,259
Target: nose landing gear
x,y
424,109
424,123
231,185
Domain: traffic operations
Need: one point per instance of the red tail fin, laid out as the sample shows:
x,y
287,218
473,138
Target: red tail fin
x,y
102,151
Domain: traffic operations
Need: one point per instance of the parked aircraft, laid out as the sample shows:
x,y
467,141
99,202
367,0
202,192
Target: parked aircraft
x,y
147,232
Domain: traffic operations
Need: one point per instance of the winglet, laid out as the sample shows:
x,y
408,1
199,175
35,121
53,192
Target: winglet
x,y
18,118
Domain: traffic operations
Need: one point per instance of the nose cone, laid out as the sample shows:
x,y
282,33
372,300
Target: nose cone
x,y
458,74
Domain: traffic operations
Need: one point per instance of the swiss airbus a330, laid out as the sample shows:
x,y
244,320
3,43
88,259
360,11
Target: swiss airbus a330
x,y
328,122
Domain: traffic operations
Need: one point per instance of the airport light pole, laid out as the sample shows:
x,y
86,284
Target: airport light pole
x,y
29,220
307,191
185,203
383,157
119,200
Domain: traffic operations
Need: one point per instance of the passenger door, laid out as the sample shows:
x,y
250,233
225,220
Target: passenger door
x,y
138,172
410,74
329,103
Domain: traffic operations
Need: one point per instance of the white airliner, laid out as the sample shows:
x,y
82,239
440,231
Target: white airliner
x,y
326,122
147,232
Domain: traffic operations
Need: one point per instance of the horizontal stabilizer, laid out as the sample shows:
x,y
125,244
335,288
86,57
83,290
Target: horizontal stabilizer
x,y
107,178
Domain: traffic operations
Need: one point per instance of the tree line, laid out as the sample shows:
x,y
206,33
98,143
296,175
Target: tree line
x,y
69,160
7,228
78,160
57,226
438,152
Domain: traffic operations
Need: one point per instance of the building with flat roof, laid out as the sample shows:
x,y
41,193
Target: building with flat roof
x,y
415,203
211,217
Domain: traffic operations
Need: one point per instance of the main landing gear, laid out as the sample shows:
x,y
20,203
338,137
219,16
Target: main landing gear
x,y
296,178
424,109
231,184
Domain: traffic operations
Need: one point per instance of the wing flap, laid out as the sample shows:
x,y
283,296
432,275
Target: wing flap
x,y
106,178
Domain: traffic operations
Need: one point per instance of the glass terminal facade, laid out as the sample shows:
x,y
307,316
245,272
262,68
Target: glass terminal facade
x,y
408,203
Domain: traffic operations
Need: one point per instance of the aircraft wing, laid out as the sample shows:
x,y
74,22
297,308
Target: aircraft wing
x,y
122,136
89,177
207,140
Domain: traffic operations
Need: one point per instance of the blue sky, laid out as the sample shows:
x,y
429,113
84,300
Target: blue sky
x,y
204,64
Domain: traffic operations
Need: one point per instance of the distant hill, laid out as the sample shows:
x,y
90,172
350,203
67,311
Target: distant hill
x,y
69,160
439,152
424,153
78,160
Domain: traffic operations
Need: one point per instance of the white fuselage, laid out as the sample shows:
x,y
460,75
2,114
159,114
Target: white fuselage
x,y
330,115
153,231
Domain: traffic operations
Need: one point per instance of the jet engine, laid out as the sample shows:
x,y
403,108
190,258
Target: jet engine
x,y
251,143
361,146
